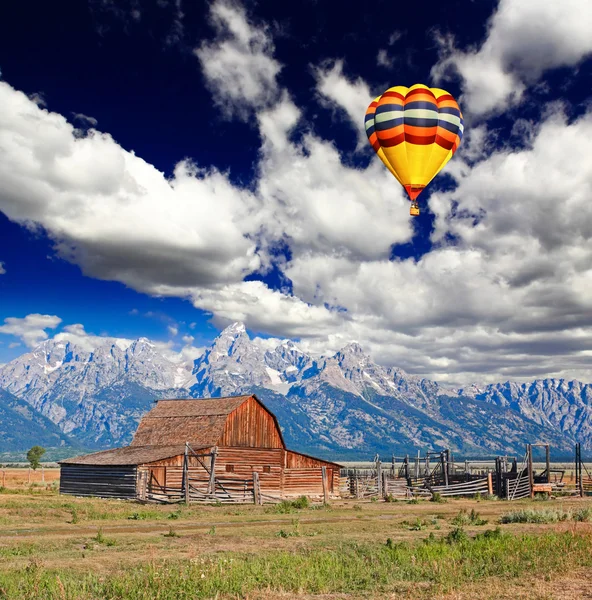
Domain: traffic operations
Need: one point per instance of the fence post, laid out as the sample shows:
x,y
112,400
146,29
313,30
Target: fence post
x,y
530,471
579,481
357,484
256,488
42,474
577,465
393,467
212,482
379,478
325,487
186,473
385,488
489,484
548,461
29,475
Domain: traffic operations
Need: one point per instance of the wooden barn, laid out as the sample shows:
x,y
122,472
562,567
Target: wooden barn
x,y
227,449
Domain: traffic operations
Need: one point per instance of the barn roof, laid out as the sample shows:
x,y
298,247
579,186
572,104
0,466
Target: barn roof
x,y
200,422
130,455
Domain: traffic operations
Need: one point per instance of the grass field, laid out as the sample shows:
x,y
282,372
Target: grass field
x,y
59,547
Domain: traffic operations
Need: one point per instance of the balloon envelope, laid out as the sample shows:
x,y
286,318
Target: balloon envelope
x,y
415,131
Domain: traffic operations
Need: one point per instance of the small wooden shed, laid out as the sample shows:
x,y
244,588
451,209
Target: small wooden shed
x,y
221,448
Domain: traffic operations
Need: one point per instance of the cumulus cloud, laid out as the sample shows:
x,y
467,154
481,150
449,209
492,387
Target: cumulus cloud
x,y
502,293
525,38
85,120
77,335
353,97
238,64
191,230
318,204
30,329
173,330
2,268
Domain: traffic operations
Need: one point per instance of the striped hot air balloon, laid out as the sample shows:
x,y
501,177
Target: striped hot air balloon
x,y
415,131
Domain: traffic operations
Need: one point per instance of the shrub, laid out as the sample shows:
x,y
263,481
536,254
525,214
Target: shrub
x,y
472,518
301,502
536,516
437,497
172,533
457,536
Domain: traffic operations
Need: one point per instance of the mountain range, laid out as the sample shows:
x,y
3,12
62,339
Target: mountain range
x,y
343,406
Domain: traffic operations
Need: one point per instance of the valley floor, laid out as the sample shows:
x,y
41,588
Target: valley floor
x,y
59,547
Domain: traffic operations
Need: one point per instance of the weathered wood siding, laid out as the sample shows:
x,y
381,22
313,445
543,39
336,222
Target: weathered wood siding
x,y
177,461
252,426
295,460
309,482
243,461
102,481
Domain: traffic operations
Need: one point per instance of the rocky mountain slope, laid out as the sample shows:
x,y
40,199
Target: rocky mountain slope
x,y
342,406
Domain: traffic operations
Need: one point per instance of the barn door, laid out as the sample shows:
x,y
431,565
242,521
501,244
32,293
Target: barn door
x,y
157,481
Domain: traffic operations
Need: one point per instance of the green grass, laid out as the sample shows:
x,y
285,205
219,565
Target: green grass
x,y
440,564
466,518
550,515
289,506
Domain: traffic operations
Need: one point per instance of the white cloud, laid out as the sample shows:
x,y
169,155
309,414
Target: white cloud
x,y
394,37
509,298
525,38
2,269
383,59
238,65
503,292
264,309
85,119
353,97
30,329
320,205
89,342
173,330
114,214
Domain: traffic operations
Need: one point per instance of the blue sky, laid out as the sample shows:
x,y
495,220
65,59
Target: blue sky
x,y
174,166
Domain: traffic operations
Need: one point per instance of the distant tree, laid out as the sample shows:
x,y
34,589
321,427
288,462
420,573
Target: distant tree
x,y
34,456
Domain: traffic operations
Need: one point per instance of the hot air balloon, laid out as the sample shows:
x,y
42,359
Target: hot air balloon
x,y
415,131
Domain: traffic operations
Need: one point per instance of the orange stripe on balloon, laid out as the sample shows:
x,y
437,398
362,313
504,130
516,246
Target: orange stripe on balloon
x,y
385,134
421,131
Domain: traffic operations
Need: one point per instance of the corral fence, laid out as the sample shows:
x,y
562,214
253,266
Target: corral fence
x,y
507,477
200,484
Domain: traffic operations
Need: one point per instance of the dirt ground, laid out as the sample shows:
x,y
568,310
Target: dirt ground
x,y
63,531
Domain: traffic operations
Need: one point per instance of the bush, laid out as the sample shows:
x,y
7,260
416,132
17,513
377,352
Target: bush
x,y
536,516
301,502
436,497
472,518
457,536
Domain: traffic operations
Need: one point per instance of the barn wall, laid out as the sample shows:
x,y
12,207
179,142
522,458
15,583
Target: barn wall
x,y
244,461
102,481
251,425
309,481
294,460
177,461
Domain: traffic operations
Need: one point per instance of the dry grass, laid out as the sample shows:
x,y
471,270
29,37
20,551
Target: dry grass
x,y
22,479
62,533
